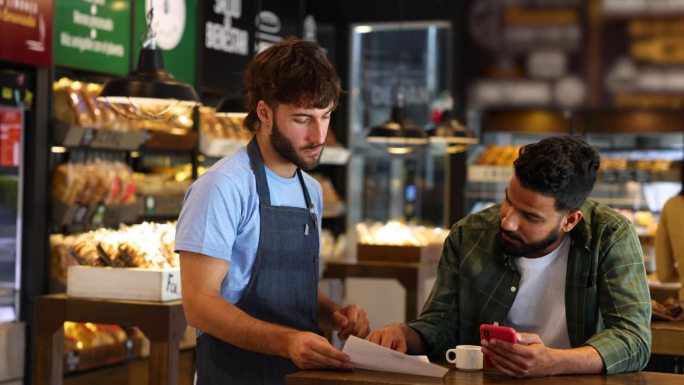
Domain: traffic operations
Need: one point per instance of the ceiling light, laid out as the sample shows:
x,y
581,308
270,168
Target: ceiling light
x,y
398,135
149,92
451,135
230,106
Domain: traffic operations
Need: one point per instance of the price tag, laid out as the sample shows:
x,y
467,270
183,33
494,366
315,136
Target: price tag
x,y
88,136
98,217
80,214
150,205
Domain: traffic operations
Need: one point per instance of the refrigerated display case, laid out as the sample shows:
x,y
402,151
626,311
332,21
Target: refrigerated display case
x,y
12,332
390,61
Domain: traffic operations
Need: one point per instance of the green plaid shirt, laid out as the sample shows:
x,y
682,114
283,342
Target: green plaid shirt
x,y
607,301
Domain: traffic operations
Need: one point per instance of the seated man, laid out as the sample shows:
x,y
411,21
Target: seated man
x,y
566,272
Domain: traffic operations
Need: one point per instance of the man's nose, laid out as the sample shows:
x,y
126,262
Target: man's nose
x,y
509,221
317,131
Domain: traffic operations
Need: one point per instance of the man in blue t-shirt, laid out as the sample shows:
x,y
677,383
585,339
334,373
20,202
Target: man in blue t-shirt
x,y
248,234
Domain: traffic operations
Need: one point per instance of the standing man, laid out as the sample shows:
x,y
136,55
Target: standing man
x,y
566,272
248,234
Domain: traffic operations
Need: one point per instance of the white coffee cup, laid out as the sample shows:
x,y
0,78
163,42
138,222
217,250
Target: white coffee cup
x,y
465,357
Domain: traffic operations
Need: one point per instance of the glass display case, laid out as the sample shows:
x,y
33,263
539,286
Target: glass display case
x,y
11,128
390,63
12,331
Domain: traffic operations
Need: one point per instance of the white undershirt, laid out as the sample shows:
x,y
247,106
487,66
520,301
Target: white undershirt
x,y
539,306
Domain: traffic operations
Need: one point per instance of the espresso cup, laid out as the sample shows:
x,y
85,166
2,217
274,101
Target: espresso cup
x,y
465,357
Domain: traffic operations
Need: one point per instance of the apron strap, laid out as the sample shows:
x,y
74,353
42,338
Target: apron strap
x,y
257,163
307,199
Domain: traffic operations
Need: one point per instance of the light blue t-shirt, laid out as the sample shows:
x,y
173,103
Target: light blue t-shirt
x,y
220,215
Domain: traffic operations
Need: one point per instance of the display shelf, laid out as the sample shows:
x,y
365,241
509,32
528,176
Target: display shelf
x,y
219,147
160,205
335,156
85,359
502,174
167,141
74,136
70,214
107,139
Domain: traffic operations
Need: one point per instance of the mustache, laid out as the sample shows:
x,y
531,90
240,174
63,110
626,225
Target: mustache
x,y
314,146
512,235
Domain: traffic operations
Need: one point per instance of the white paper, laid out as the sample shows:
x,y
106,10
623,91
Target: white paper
x,y
367,355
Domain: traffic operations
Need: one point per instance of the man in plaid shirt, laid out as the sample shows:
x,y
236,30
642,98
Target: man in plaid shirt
x,y
566,272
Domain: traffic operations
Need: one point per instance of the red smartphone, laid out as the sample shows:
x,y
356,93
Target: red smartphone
x,y
503,333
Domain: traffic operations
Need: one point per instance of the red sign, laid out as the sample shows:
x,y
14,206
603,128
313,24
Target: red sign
x,y
10,136
26,31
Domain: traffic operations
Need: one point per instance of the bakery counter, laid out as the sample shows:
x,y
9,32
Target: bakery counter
x,y
163,323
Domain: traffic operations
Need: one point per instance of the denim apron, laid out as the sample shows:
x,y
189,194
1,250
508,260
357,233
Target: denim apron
x,y
282,289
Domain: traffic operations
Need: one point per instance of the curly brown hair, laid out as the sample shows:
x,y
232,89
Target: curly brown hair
x,y
562,167
293,71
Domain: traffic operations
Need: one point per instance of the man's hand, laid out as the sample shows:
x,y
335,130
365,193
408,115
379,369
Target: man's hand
x,y
528,358
350,320
391,336
311,351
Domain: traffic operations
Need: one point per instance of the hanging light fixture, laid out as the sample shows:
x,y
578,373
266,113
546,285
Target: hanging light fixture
x,y
398,135
149,92
450,135
231,105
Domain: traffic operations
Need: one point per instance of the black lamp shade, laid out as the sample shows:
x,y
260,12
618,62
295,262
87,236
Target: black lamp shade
x,y
398,131
231,104
451,131
149,81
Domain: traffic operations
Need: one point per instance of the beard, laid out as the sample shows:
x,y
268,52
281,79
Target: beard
x,y
523,249
286,149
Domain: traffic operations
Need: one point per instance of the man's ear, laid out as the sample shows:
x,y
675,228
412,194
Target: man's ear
x,y
264,112
572,218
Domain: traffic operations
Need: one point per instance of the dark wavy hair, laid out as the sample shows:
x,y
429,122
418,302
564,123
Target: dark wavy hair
x,y
562,167
293,72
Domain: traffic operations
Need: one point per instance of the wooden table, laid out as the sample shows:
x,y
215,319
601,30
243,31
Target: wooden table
x,y
488,377
411,276
668,338
163,323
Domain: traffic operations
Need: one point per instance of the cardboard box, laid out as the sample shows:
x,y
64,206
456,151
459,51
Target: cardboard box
x,y
392,253
124,283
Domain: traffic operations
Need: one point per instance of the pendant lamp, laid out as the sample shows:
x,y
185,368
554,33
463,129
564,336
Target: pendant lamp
x,y
398,135
149,91
231,105
451,135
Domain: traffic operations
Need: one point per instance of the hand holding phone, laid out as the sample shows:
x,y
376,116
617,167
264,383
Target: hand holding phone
x,y
504,333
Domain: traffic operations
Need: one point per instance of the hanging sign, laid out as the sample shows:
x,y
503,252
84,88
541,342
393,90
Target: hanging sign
x,y
93,35
226,33
26,31
175,24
